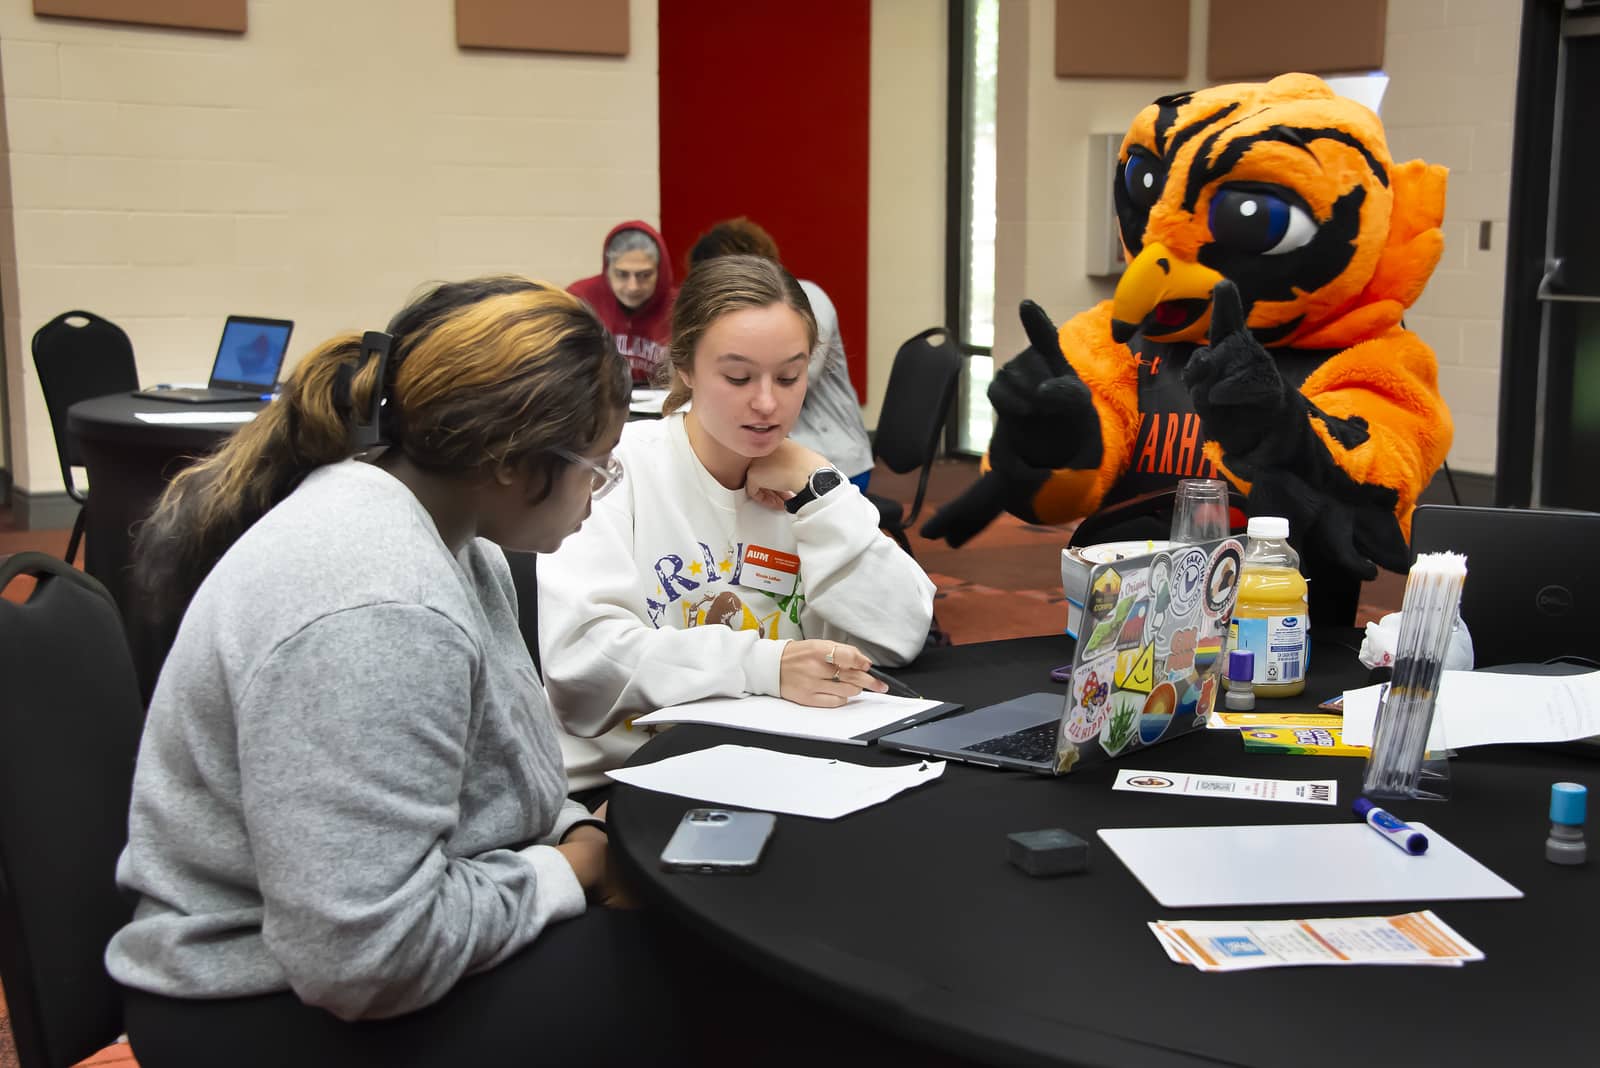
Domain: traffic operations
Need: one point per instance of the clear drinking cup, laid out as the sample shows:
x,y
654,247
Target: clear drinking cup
x,y
1201,513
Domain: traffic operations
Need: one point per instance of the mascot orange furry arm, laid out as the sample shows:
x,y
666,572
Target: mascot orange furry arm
x,y
1256,332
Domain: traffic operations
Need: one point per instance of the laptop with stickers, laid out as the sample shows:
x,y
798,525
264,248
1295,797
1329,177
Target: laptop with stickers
x,y
1147,668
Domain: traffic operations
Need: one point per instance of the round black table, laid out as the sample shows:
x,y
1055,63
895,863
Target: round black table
x,y
130,462
909,914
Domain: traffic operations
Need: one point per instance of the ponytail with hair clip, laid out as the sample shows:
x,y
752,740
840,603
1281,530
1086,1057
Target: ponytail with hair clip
x,y
371,432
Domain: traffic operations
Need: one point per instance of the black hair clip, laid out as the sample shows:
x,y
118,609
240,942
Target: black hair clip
x,y
367,433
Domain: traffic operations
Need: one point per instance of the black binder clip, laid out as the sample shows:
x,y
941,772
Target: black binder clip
x,y
366,430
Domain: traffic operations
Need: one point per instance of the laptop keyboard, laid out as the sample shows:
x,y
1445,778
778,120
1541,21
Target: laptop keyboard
x,y
1035,744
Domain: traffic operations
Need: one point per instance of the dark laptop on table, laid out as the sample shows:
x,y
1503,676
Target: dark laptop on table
x,y
1147,668
249,357
1533,578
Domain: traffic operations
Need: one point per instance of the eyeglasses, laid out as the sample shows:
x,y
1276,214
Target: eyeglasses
x,y
606,475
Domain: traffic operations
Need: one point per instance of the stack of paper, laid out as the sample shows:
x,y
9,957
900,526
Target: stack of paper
x,y
1413,938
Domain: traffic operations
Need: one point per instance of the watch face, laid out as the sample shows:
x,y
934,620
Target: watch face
x,y
824,479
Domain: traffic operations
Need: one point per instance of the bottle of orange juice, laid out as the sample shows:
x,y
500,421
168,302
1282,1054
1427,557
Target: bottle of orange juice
x,y
1270,615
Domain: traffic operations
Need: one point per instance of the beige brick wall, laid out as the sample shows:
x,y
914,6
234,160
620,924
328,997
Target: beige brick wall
x,y
1041,232
1452,65
1453,70
906,184
318,168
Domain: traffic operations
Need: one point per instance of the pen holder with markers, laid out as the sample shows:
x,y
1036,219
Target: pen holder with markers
x,y
1408,748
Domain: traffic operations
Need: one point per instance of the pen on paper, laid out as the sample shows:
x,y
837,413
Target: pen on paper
x,y
896,687
1405,837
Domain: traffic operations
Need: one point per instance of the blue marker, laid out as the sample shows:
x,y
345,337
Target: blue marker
x,y
1396,830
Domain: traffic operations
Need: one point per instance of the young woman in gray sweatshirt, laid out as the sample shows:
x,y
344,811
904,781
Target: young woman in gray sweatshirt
x,y
350,794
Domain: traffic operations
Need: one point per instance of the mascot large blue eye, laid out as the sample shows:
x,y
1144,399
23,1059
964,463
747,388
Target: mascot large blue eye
x,y
1143,176
1259,221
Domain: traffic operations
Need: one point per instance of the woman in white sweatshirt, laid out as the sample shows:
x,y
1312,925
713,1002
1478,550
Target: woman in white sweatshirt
x,y
730,559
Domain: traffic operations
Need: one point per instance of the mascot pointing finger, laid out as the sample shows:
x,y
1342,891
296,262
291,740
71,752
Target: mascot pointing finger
x,y
1256,334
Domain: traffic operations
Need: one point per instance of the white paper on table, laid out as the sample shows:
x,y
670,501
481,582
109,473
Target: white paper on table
x,y
865,715
778,782
194,418
1488,707
1292,864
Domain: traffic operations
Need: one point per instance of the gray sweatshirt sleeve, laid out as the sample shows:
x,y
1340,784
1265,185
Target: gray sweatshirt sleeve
x,y
351,741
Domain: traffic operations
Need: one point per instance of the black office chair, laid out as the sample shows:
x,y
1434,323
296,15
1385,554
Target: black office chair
x,y
921,391
69,733
525,579
79,355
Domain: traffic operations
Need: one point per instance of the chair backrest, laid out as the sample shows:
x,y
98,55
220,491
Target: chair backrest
x,y
79,355
922,387
525,580
69,734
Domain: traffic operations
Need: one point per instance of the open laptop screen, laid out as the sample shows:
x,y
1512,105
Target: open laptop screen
x,y
250,353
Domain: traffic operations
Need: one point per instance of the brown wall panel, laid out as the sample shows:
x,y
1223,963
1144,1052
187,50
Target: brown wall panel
x,y
592,27
188,14
1122,38
1260,38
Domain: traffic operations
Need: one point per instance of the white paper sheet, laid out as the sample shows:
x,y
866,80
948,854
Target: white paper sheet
x,y
865,714
212,417
1201,867
1486,707
779,782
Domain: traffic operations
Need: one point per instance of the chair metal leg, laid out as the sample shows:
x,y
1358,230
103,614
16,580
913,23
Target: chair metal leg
x,y
77,536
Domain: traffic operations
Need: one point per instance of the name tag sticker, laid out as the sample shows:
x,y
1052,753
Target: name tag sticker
x,y
769,570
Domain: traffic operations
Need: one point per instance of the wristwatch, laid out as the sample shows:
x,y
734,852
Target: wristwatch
x,y
821,481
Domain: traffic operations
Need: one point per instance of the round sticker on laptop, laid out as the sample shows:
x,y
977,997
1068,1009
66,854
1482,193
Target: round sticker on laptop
x,y
1188,581
1222,577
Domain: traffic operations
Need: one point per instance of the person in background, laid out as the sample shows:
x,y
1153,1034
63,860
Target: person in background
x,y
732,559
349,803
830,420
633,295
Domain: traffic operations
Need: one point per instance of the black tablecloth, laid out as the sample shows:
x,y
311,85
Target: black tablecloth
x,y
909,913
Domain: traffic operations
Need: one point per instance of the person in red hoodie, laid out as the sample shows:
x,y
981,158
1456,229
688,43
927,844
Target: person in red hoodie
x,y
633,295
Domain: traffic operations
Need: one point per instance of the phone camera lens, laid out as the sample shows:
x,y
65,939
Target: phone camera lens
x,y
719,817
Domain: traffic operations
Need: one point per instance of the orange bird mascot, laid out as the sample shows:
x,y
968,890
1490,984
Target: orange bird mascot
x,y
1274,246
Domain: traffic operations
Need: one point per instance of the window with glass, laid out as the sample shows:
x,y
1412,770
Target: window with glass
x,y
969,279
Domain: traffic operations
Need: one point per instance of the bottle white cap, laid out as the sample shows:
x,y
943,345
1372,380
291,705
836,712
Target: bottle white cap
x,y
1268,526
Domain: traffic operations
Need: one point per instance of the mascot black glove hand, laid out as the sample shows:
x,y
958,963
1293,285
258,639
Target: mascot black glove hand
x,y
1234,383
1042,405
1045,419
1264,428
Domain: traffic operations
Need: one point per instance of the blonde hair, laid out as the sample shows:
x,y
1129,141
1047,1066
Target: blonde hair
x,y
716,287
490,372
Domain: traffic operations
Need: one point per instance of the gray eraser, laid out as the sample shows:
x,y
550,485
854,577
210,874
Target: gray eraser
x,y
1047,852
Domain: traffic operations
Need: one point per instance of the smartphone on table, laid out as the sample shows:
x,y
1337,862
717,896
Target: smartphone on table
x,y
718,840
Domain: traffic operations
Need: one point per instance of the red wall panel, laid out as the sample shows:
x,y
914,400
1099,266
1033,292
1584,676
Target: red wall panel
x,y
764,113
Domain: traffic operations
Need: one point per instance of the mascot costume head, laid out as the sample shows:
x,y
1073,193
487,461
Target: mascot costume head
x,y
1256,334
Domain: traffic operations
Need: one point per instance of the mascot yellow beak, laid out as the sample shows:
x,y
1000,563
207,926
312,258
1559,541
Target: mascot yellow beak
x,y
1168,297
